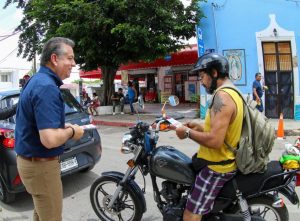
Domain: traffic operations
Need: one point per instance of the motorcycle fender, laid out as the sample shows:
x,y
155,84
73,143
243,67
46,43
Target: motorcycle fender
x,y
290,194
131,183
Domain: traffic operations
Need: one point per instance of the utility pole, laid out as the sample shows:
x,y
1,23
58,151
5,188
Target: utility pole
x,y
34,64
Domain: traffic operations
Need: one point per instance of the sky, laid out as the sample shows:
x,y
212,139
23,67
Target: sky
x,y
9,20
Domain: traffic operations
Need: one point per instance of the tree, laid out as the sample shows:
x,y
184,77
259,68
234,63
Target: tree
x,y
108,33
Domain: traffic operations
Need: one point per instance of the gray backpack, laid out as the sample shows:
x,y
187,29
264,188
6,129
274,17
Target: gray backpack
x,y
257,138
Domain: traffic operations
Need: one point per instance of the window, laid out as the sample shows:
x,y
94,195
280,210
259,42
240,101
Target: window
x,y
4,78
168,84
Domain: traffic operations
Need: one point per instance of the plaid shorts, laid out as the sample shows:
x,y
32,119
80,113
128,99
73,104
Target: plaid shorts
x,y
206,188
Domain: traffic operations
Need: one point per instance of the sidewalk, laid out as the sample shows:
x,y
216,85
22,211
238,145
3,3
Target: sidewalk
x,y
182,112
185,112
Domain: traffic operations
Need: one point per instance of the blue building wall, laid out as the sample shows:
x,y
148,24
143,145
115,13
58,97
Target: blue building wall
x,y
232,24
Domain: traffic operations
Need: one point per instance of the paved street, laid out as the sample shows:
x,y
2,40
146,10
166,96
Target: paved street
x,y
77,206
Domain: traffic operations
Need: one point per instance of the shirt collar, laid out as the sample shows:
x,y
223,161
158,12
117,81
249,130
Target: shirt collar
x,y
46,70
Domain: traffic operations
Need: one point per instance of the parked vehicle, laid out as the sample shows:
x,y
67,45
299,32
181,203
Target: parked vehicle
x,y
79,155
116,195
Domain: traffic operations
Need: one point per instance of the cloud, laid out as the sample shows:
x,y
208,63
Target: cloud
x,y
9,19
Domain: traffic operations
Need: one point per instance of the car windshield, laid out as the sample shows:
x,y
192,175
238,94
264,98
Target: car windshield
x,y
8,101
71,104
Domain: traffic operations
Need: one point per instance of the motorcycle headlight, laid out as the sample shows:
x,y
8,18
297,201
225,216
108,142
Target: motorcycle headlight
x,y
125,141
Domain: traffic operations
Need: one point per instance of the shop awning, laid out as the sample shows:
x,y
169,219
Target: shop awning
x,y
187,56
95,74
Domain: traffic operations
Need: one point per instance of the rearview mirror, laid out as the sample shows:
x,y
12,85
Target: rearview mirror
x,y
173,100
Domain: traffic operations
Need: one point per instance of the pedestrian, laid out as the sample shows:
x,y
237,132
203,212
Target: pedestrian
x,y
132,95
94,104
223,123
41,132
258,92
24,80
83,92
118,99
86,100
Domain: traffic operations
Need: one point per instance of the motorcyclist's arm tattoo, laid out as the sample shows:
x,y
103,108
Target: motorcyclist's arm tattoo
x,y
218,104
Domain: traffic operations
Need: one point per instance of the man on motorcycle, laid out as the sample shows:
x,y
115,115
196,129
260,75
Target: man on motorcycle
x,y
223,122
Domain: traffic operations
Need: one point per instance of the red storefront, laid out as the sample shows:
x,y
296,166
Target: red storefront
x,y
95,74
168,75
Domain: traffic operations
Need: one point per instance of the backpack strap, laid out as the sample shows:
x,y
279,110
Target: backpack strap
x,y
230,147
230,86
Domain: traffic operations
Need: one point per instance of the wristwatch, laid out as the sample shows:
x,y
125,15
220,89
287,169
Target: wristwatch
x,y
187,133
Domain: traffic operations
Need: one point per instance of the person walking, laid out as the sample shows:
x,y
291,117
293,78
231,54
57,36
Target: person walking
x,y
257,90
94,104
132,95
86,101
223,122
118,99
41,131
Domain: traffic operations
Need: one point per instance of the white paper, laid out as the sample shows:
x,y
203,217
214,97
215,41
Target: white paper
x,y
174,122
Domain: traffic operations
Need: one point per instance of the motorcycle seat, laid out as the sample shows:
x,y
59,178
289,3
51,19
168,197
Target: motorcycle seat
x,y
252,183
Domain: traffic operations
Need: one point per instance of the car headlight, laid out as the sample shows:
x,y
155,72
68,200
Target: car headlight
x,y
125,141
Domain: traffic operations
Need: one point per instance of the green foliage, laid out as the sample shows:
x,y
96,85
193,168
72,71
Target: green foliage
x,y
195,98
108,33
31,72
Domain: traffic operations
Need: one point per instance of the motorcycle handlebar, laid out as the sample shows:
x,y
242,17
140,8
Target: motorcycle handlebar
x,y
158,124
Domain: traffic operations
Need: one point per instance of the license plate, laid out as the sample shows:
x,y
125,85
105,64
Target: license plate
x,y
68,164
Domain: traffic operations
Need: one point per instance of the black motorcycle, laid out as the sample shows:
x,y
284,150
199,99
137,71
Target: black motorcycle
x,y
255,197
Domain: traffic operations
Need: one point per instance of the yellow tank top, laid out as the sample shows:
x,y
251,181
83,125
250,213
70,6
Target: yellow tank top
x,y
232,137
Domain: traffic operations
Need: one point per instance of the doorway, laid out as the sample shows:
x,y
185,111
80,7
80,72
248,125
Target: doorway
x,y
180,78
278,76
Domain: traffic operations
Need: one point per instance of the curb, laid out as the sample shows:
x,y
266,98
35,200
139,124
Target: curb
x,y
113,123
295,132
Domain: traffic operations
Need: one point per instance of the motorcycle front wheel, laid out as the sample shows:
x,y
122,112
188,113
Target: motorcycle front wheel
x,y
262,207
126,207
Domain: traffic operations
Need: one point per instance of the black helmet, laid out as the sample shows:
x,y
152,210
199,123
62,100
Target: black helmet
x,y
212,60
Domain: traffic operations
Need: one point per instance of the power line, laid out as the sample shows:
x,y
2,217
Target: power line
x,y
4,37
86,3
8,36
11,31
4,59
14,68
295,1
52,15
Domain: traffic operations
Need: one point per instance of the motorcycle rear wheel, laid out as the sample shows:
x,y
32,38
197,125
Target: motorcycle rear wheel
x,y
262,206
126,208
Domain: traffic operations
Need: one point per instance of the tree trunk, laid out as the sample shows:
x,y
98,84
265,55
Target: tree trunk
x,y
108,74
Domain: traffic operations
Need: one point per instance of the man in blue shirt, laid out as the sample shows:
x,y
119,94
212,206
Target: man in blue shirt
x,y
132,95
258,92
41,131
